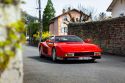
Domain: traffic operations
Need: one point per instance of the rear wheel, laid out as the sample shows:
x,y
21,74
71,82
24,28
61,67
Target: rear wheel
x,y
54,54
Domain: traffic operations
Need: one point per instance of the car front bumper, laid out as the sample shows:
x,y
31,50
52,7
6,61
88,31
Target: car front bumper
x,y
79,58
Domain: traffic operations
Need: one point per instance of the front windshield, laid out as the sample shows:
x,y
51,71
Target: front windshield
x,y
68,39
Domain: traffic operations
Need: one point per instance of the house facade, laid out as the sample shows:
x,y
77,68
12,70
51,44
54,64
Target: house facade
x,y
58,25
117,8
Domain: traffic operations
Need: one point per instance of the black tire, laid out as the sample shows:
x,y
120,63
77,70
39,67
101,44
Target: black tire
x,y
54,55
40,52
92,60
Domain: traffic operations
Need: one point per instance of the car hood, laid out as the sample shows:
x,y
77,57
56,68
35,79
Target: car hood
x,y
78,47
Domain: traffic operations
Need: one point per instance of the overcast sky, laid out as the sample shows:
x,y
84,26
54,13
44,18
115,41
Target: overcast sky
x,y
98,5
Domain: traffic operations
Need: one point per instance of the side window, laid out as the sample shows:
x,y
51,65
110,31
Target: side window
x,y
52,38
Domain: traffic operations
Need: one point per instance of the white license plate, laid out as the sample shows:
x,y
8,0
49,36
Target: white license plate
x,y
84,58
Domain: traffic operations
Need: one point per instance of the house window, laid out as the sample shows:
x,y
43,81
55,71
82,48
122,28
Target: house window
x,y
64,30
122,14
77,19
65,18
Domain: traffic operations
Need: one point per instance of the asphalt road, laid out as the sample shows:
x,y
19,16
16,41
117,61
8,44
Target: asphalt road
x,y
110,69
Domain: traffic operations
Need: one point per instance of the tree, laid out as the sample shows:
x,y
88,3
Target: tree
x,y
82,18
32,26
88,10
48,14
71,19
102,16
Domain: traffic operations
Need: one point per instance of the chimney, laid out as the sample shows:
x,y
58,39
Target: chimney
x,y
63,11
69,8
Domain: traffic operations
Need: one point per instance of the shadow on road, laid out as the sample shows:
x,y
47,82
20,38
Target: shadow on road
x,y
27,44
48,60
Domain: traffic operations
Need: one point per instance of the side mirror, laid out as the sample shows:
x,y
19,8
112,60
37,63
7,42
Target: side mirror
x,y
88,40
48,40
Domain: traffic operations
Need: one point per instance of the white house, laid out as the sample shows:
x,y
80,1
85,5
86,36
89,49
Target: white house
x,y
117,8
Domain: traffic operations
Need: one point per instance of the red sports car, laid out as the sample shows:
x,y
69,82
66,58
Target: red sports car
x,y
69,48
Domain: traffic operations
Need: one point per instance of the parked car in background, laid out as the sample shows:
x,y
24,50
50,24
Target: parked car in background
x,y
27,38
69,47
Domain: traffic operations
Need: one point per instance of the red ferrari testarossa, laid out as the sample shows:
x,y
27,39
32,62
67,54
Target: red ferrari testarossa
x,y
69,47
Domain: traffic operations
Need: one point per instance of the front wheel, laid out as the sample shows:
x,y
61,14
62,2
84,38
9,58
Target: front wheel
x,y
92,60
54,54
41,52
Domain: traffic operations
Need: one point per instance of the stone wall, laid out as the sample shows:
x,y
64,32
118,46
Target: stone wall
x,y
14,72
109,34
11,38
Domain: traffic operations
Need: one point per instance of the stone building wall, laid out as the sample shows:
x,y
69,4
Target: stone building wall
x,y
109,34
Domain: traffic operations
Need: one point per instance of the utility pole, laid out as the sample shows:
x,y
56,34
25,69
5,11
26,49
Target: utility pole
x,y
40,21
